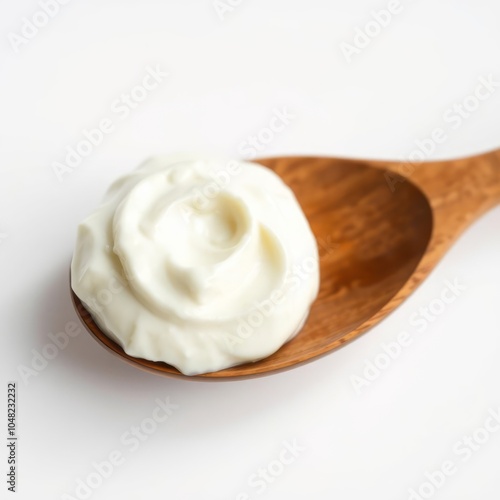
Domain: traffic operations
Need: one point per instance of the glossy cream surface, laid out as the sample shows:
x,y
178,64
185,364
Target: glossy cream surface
x,y
201,263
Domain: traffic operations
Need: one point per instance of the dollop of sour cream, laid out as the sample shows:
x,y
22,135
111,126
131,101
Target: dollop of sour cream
x,y
202,264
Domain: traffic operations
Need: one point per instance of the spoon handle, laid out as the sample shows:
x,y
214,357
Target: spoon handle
x,y
459,191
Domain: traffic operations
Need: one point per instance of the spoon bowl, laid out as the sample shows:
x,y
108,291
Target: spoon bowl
x,y
380,226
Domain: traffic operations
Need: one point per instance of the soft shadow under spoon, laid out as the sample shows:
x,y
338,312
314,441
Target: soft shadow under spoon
x,y
381,228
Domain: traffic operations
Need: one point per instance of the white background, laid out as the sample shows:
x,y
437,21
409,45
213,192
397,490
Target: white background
x,y
225,78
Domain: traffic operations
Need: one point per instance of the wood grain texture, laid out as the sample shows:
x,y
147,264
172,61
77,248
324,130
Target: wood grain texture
x,y
381,228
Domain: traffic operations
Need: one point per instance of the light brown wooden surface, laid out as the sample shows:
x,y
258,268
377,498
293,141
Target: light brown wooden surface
x,y
381,228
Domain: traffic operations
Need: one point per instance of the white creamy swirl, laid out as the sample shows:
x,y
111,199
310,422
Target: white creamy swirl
x,y
215,263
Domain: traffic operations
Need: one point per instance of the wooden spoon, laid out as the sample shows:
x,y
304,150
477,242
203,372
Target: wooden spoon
x,y
381,228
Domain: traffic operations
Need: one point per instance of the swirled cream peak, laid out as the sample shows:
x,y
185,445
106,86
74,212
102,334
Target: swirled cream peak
x,y
202,264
